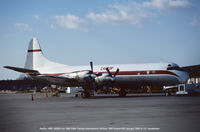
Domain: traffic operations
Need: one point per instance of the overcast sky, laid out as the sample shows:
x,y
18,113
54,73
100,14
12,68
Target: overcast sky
x,y
75,32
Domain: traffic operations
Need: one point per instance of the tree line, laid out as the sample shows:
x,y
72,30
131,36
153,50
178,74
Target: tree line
x,y
25,83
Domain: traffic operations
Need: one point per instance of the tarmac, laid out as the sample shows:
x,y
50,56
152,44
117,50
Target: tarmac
x,y
104,113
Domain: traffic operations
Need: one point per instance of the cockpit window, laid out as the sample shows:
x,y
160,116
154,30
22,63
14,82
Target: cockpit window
x,y
173,67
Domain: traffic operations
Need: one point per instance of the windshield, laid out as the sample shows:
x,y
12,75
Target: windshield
x,y
173,67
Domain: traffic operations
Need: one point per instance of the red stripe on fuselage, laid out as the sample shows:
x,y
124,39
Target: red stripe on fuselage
x,y
154,72
157,72
35,50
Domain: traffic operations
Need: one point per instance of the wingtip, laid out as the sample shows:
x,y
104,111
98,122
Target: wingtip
x,y
5,66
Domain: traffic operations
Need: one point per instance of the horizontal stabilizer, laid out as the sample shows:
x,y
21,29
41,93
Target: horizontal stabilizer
x,y
24,70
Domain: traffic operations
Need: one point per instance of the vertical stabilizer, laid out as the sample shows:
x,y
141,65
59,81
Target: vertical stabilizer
x,y
35,59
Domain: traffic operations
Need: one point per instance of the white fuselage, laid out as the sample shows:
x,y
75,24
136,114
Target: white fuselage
x,y
129,74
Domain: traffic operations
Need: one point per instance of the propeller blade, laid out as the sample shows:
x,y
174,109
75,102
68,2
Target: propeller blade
x,y
108,71
91,65
117,71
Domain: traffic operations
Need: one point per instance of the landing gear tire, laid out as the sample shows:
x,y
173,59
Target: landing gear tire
x,y
85,94
167,93
122,93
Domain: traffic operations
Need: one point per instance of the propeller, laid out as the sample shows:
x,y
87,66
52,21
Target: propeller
x,y
108,71
98,80
91,65
92,70
116,72
93,76
110,74
112,79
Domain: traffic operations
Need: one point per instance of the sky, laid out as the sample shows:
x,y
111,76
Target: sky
x,y
75,32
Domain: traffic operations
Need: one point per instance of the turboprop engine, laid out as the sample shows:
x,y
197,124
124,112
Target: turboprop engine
x,y
82,76
96,79
106,78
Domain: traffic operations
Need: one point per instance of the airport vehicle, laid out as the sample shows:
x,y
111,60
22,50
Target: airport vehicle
x,y
91,78
181,90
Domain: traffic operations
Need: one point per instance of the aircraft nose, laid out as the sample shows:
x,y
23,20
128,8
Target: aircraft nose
x,y
184,76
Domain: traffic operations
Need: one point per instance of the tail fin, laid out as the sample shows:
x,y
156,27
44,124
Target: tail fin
x,y
35,59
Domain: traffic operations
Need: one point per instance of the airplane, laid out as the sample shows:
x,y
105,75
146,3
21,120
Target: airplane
x,y
91,78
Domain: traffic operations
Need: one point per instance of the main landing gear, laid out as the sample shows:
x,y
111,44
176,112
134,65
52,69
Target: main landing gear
x,y
122,93
85,94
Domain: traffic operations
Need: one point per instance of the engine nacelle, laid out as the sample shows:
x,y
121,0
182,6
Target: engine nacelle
x,y
81,76
103,79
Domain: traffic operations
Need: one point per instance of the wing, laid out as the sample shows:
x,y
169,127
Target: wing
x,y
193,71
23,70
63,80
58,80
